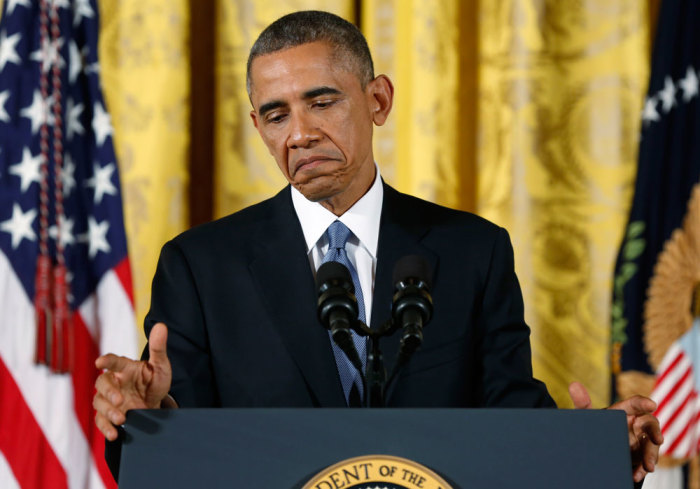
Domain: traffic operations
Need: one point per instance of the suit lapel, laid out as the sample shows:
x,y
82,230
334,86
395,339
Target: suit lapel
x,y
400,234
282,272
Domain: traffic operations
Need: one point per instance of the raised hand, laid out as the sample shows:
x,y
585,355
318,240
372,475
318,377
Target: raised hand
x,y
131,384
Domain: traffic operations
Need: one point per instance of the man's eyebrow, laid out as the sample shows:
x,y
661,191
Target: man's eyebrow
x,y
265,108
317,92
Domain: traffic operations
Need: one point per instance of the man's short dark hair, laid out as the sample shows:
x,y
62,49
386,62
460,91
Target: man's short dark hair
x,y
307,26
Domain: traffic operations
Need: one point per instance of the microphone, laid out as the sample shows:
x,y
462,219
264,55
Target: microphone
x,y
337,307
412,304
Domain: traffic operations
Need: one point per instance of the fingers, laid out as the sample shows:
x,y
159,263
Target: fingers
x,y
579,396
157,342
648,432
639,474
112,387
105,427
636,406
648,452
644,432
106,417
108,387
112,362
647,426
106,403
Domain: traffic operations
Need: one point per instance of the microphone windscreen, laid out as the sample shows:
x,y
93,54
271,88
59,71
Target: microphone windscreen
x,y
412,266
332,271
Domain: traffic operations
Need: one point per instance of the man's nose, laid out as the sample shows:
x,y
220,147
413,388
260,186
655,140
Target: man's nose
x,y
303,131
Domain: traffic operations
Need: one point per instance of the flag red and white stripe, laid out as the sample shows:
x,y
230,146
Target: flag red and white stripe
x,y
678,402
60,199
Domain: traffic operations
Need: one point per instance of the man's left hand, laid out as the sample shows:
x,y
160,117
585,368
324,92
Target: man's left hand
x,y
644,431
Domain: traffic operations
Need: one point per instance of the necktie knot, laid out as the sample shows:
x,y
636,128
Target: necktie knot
x,y
338,234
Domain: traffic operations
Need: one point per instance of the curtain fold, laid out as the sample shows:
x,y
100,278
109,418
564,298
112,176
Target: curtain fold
x,y
424,149
560,92
526,111
144,55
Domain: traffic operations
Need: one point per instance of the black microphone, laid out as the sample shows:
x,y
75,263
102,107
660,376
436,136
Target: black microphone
x,y
412,304
337,307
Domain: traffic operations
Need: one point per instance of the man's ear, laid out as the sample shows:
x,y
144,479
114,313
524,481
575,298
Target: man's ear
x,y
381,93
254,116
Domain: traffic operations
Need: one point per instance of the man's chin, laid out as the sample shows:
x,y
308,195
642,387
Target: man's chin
x,y
315,193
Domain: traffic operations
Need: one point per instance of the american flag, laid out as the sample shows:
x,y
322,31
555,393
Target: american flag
x,y
668,170
65,282
677,394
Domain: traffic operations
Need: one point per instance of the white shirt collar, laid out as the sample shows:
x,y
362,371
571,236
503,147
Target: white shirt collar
x,y
362,218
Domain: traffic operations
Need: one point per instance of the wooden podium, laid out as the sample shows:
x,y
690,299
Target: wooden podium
x,y
284,448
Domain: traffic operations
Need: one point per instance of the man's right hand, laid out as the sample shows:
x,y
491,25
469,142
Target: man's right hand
x,y
130,384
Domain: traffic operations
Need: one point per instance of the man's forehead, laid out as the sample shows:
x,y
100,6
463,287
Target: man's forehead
x,y
297,70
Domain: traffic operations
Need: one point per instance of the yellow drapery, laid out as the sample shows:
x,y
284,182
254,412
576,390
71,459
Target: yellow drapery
x,y
560,92
144,60
559,89
422,149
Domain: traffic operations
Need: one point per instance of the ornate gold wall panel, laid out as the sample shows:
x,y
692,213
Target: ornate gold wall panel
x,y
144,59
244,171
561,89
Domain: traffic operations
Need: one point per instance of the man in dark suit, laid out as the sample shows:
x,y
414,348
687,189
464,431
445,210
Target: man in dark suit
x,y
238,296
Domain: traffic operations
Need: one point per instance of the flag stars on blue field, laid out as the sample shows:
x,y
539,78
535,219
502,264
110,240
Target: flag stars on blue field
x,y
82,9
73,124
11,4
75,61
38,112
97,237
689,84
20,225
61,3
4,116
8,49
67,238
101,181
650,114
49,54
28,170
668,96
101,124
68,175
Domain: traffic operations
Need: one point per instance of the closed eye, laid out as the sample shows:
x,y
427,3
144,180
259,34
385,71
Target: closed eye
x,y
275,118
322,104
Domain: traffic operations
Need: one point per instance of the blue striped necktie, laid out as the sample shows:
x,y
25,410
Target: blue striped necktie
x,y
338,234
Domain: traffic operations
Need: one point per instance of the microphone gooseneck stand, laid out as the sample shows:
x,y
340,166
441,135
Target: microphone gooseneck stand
x,y
412,308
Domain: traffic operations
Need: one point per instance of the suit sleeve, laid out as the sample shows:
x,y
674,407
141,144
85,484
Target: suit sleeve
x,y
507,378
176,301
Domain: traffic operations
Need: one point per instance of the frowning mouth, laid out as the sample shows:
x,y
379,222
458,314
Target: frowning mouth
x,y
310,162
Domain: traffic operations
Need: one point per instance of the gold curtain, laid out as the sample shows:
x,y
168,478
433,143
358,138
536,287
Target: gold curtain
x,y
144,59
560,90
244,171
424,149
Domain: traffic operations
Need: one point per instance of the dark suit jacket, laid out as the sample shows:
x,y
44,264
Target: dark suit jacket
x,y
239,300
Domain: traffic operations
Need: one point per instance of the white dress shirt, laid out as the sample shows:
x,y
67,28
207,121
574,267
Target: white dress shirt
x,y
362,219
